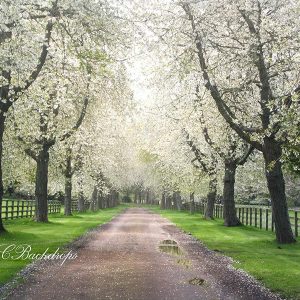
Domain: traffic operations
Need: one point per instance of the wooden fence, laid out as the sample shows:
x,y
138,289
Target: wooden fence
x,y
260,217
14,209
74,206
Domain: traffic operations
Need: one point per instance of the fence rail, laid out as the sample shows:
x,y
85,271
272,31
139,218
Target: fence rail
x,y
260,217
15,209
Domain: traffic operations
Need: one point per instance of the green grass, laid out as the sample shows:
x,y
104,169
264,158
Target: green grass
x,y
276,266
57,233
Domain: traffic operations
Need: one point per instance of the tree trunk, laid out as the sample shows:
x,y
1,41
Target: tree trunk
x,y
68,195
117,198
151,197
142,197
110,199
192,203
94,199
230,217
81,201
41,186
177,200
113,198
211,198
100,201
107,201
168,202
135,197
68,184
174,200
2,125
163,201
272,153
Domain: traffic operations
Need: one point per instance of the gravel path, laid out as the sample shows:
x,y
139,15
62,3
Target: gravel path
x,y
140,256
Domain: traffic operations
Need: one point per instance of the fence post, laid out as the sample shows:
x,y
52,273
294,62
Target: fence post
x,y
6,210
31,209
27,209
12,209
260,218
243,213
18,211
255,217
296,224
22,208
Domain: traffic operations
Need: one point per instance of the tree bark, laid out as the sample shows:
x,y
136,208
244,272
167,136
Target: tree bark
x,y
94,199
117,198
177,200
163,201
41,186
192,203
168,202
2,126
174,200
211,198
106,201
272,153
111,198
230,217
81,201
100,200
135,197
68,184
68,195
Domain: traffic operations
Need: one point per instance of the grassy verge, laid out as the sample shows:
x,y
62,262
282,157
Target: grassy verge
x,y
276,266
58,232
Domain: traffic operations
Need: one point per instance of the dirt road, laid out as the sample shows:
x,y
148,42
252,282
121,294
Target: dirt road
x,y
141,256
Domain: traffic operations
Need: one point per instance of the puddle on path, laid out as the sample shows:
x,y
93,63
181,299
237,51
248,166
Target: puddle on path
x,y
168,242
196,281
171,247
184,262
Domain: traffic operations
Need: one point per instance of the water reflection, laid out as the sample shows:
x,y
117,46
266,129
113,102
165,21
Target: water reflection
x,y
171,247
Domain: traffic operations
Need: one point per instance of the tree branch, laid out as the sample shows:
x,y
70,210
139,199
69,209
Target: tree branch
x,y
259,61
242,160
212,88
43,56
81,116
198,154
289,98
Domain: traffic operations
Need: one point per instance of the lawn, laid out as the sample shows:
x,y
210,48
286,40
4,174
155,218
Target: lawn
x,y
58,232
277,266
